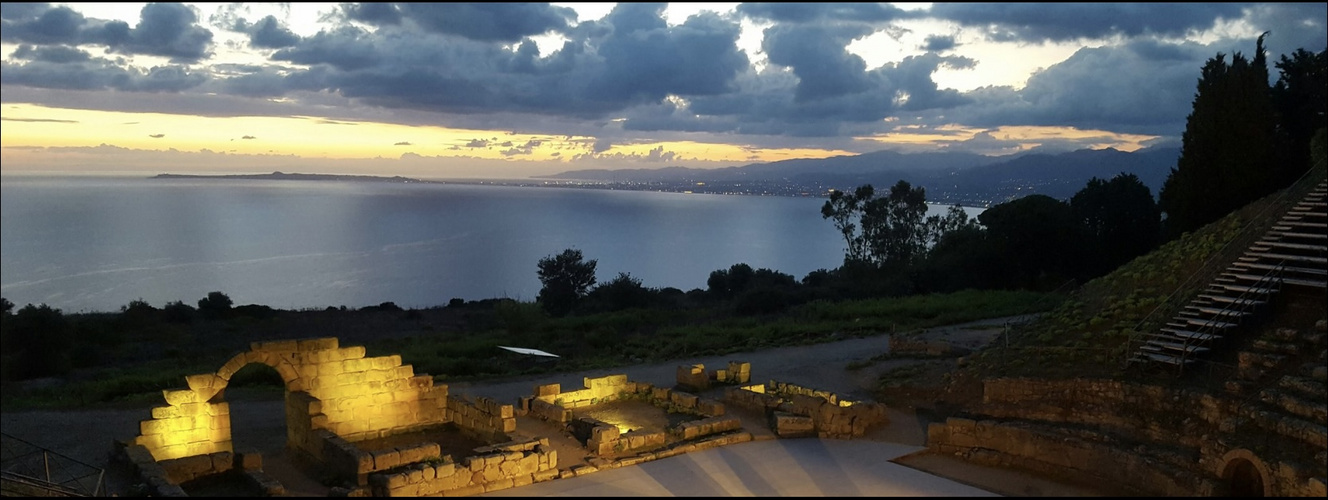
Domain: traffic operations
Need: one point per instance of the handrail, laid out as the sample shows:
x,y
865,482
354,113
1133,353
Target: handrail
x,y
33,465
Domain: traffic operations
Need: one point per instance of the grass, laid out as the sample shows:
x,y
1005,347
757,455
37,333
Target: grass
x,y
1089,334
467,350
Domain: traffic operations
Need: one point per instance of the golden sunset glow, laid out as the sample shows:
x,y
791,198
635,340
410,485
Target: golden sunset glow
x,y
1025,137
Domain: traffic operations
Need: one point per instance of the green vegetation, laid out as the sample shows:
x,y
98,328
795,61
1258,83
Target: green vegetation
x,y
460,341
1089,333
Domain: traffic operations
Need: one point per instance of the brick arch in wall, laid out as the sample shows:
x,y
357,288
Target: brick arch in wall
x,y
1245,474
328,387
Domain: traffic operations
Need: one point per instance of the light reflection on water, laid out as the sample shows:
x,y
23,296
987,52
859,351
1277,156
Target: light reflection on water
x,y
94,244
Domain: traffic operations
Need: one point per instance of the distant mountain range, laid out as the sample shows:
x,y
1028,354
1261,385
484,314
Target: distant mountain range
x,y
949,177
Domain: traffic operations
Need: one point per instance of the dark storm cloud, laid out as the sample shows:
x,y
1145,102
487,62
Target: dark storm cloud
x,y
1037,22
1292,25
99,74
809,12
645,60
506,22
268,33
168,30
53,54
1143,86
373,13
635,59
939,43
817,56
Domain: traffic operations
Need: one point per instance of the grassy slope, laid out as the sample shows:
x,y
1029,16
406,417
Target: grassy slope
x,y
1088,335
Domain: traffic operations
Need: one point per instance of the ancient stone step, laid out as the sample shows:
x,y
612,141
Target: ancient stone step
x,y
1192,335
1203,323
1273,346
1237,302
1301,224
1255,291
1285,256
1287,334
1168,347
1292,427
1231,314
1304,387
1290,245
1315,411
1287,232
1315,371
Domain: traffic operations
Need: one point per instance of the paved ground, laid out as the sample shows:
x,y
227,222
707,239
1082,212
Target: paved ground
x,y
783,467
773,467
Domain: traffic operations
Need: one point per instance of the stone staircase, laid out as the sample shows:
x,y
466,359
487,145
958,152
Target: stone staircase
x,y
1293,253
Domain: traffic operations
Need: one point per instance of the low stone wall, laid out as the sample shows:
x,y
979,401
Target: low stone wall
x,y
484,418
738,372
792,408
164,478
993,443
494,468
1209,424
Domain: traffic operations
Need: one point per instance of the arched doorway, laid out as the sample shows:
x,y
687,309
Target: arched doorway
x,y
1245,480
256,394
1244,474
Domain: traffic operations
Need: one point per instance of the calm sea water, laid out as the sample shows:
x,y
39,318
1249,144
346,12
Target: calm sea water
x,y
95,244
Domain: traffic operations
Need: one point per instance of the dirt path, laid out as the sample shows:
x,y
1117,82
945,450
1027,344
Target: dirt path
x,y
259,423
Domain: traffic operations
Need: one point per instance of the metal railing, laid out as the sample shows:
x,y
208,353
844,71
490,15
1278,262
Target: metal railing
x,y
30,470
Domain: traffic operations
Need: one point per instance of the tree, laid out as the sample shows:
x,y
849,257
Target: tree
x,y
1037,240
889,231
38,343
622,292
1229,146
215,305
566,278
1120,219
1301,99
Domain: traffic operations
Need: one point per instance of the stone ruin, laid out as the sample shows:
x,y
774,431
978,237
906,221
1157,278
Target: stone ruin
x,y
336,396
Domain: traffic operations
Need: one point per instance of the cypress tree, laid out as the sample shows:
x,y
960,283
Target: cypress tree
x,y
1230,152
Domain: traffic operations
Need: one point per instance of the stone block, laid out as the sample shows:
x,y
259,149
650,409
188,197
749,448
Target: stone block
x,y
791,425
179,397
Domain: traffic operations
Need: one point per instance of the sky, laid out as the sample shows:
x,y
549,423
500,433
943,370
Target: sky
x,y
505,91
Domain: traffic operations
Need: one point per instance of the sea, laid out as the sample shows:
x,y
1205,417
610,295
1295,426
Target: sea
x,y
94,244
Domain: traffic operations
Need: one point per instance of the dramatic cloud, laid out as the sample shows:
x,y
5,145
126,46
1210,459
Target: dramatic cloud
x,y
501,22
632,77
1114,77
267,33
1037,22
809,12
168,30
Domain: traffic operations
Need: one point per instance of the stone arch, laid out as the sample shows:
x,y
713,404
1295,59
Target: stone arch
x,y
1245,474
328,388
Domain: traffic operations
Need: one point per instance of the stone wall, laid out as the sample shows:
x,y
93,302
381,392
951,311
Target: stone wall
x,y
797,411
494,468
993,443
352,396
484,418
